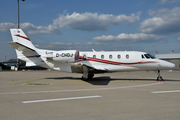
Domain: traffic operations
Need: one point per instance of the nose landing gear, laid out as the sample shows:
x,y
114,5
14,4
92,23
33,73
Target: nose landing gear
x,y
159,78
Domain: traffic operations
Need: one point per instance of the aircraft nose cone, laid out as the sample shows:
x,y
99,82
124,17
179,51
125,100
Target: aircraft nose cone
x,y
172,65
168,65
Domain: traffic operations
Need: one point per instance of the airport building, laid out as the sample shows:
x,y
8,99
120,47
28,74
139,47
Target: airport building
x,y
12,63
174,58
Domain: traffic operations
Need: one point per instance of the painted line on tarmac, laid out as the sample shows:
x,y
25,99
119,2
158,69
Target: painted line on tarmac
x,y
171,91
59,99
78,90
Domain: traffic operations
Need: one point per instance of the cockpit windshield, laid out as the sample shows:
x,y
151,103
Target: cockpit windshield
x,y
149,56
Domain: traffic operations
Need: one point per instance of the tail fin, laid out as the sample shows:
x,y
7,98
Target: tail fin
x,y
25,50
19,37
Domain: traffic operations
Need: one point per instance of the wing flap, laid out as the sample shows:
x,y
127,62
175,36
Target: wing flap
x,y
96,68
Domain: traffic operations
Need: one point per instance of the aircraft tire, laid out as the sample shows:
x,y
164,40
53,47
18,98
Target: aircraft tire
x,y
159,78
90,76
83,78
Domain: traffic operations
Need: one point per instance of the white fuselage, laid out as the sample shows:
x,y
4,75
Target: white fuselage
x,y
110,61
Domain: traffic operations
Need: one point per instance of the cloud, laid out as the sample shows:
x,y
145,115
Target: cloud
x,y
64,46
163,21
169,1
93,21
40,29
6,26
85,21
31,29
178,39
137,37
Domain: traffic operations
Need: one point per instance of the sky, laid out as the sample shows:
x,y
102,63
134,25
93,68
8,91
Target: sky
x,y
151,26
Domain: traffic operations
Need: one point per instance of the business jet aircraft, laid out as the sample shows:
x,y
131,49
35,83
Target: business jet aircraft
x,y
87,63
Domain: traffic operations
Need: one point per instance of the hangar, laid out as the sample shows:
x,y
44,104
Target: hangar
x,y
174,58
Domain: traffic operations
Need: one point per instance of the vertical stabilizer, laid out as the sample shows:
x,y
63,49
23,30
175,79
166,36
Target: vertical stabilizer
x,y
25,50
20,37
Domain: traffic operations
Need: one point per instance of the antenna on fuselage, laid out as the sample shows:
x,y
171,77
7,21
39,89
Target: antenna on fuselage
x,y
93,50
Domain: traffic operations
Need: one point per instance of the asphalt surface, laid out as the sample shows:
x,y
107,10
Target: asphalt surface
x,y
53,95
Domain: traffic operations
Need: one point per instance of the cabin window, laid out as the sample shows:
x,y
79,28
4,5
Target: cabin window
x,y
102,56
118,56
57,54
94,56
127,56
110,56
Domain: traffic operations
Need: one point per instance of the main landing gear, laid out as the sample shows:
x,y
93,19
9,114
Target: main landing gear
x,y
86,74
89,76
159,78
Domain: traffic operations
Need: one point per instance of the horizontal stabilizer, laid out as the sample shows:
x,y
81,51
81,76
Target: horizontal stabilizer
x,y
20,47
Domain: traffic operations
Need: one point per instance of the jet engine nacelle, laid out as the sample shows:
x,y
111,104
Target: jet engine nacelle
x,y
67,56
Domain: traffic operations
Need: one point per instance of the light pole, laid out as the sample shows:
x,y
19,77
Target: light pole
x,y
17,65
18,13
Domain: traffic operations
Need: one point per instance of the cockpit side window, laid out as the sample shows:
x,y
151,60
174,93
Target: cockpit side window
x,y
152,57
142,56
148,56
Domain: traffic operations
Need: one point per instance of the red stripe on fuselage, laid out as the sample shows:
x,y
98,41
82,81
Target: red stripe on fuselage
x,y
23,37
115,63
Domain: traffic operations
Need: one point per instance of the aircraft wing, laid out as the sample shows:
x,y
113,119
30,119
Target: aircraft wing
x,y
33,64
96,69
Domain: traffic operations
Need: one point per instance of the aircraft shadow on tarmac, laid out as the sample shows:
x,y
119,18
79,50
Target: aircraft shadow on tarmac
x,y
94,81
104,80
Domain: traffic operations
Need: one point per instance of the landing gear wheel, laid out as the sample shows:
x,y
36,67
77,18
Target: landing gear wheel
x,y
90,76
159,78
83,78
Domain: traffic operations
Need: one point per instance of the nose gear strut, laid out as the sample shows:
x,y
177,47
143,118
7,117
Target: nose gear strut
x,y
159,78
